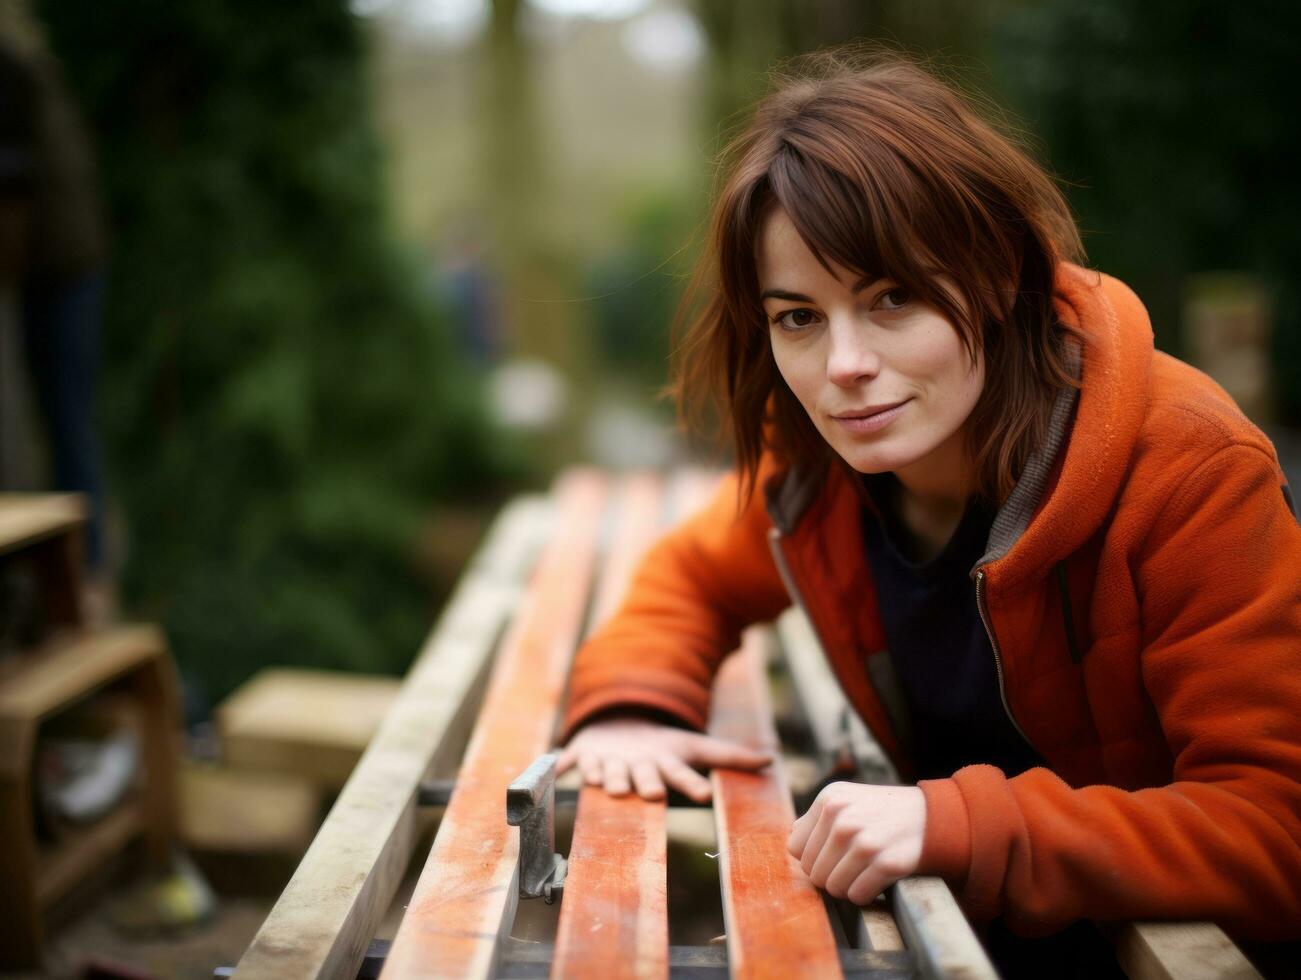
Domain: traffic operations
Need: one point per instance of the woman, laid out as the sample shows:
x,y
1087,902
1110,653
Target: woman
x,y
1055,571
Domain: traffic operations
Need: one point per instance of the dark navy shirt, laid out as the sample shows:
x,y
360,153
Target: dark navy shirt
x,y
938,644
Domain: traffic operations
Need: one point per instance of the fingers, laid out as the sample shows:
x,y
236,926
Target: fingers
x,y
842,871
817,844
566,761
615,775
646,779
590,766
714,752
803,829
684,779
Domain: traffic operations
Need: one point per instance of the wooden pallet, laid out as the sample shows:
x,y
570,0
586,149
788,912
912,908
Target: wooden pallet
x,y
498,660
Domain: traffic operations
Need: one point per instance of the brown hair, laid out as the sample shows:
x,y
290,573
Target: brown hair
x,y
887,171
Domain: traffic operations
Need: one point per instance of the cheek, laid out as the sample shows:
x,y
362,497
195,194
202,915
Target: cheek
x,y
798,370
943,360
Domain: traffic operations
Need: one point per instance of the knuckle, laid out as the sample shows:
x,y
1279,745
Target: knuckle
x,y
891,866
843,834
863,848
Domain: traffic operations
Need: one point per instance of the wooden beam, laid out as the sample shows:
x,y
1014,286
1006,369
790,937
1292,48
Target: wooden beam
x,y
777,925
877,929
838,732
1180,951
466,896
937,933
614,919
328,913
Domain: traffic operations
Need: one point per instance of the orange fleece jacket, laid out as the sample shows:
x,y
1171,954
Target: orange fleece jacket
x,y
1172,736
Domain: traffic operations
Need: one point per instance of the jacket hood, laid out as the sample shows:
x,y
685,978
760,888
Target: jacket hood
x,y
1071,480
1070,485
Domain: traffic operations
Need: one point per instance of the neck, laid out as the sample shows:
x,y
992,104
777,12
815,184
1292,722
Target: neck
x,y
942,480
933,495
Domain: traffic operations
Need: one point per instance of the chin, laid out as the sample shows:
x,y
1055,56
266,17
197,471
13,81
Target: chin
x,y
875,459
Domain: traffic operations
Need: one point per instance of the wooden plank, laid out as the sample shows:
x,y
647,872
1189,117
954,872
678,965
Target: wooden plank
x,y
28,518
614,917
936,932
467,893
877,929
310,723
1180,951
840,735
328,913
777,925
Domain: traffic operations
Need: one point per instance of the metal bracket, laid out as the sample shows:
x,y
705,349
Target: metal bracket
x,y
531,806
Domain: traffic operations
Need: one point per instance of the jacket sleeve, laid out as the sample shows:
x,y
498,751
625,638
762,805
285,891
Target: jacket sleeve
x,y
1219,580
695,591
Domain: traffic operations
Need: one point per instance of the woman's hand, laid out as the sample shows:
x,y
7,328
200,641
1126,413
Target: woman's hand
x,y
857,839
631,753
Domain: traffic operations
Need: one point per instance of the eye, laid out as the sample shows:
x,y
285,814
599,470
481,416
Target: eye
x,y
794,321
894,299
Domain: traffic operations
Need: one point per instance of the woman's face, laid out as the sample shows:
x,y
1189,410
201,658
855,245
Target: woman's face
x,y
884,377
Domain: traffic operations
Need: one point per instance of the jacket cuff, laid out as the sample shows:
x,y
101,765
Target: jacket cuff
x,y
946,843
634,700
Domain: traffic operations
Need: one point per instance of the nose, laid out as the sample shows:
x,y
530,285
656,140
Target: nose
x,y
851,358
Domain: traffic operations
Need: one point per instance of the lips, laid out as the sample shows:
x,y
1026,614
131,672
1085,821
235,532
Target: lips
x,y
868,412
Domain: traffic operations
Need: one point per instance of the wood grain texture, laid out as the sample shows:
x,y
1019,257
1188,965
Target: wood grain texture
x,y
777,925
1180,951
328,913
936,931
614,916
467,892
877,928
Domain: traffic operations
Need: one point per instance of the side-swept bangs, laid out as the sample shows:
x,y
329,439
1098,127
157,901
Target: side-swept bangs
x,y
887,172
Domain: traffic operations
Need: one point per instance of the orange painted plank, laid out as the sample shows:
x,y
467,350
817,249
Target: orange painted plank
x,y
466,895
614,916
777,925
614,919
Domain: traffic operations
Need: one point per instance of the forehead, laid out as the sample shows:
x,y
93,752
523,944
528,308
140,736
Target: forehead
x,y
784,260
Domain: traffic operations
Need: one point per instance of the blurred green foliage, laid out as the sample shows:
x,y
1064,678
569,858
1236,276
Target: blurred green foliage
x,y
282,404
637,283
1175,120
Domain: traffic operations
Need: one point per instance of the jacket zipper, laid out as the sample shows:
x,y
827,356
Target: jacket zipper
x,y
983,608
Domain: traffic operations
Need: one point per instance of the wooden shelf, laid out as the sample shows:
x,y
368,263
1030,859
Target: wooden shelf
x,y
26,519
80,851
35,688
66,669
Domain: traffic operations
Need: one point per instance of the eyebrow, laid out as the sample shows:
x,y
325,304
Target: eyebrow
x,y
801,298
